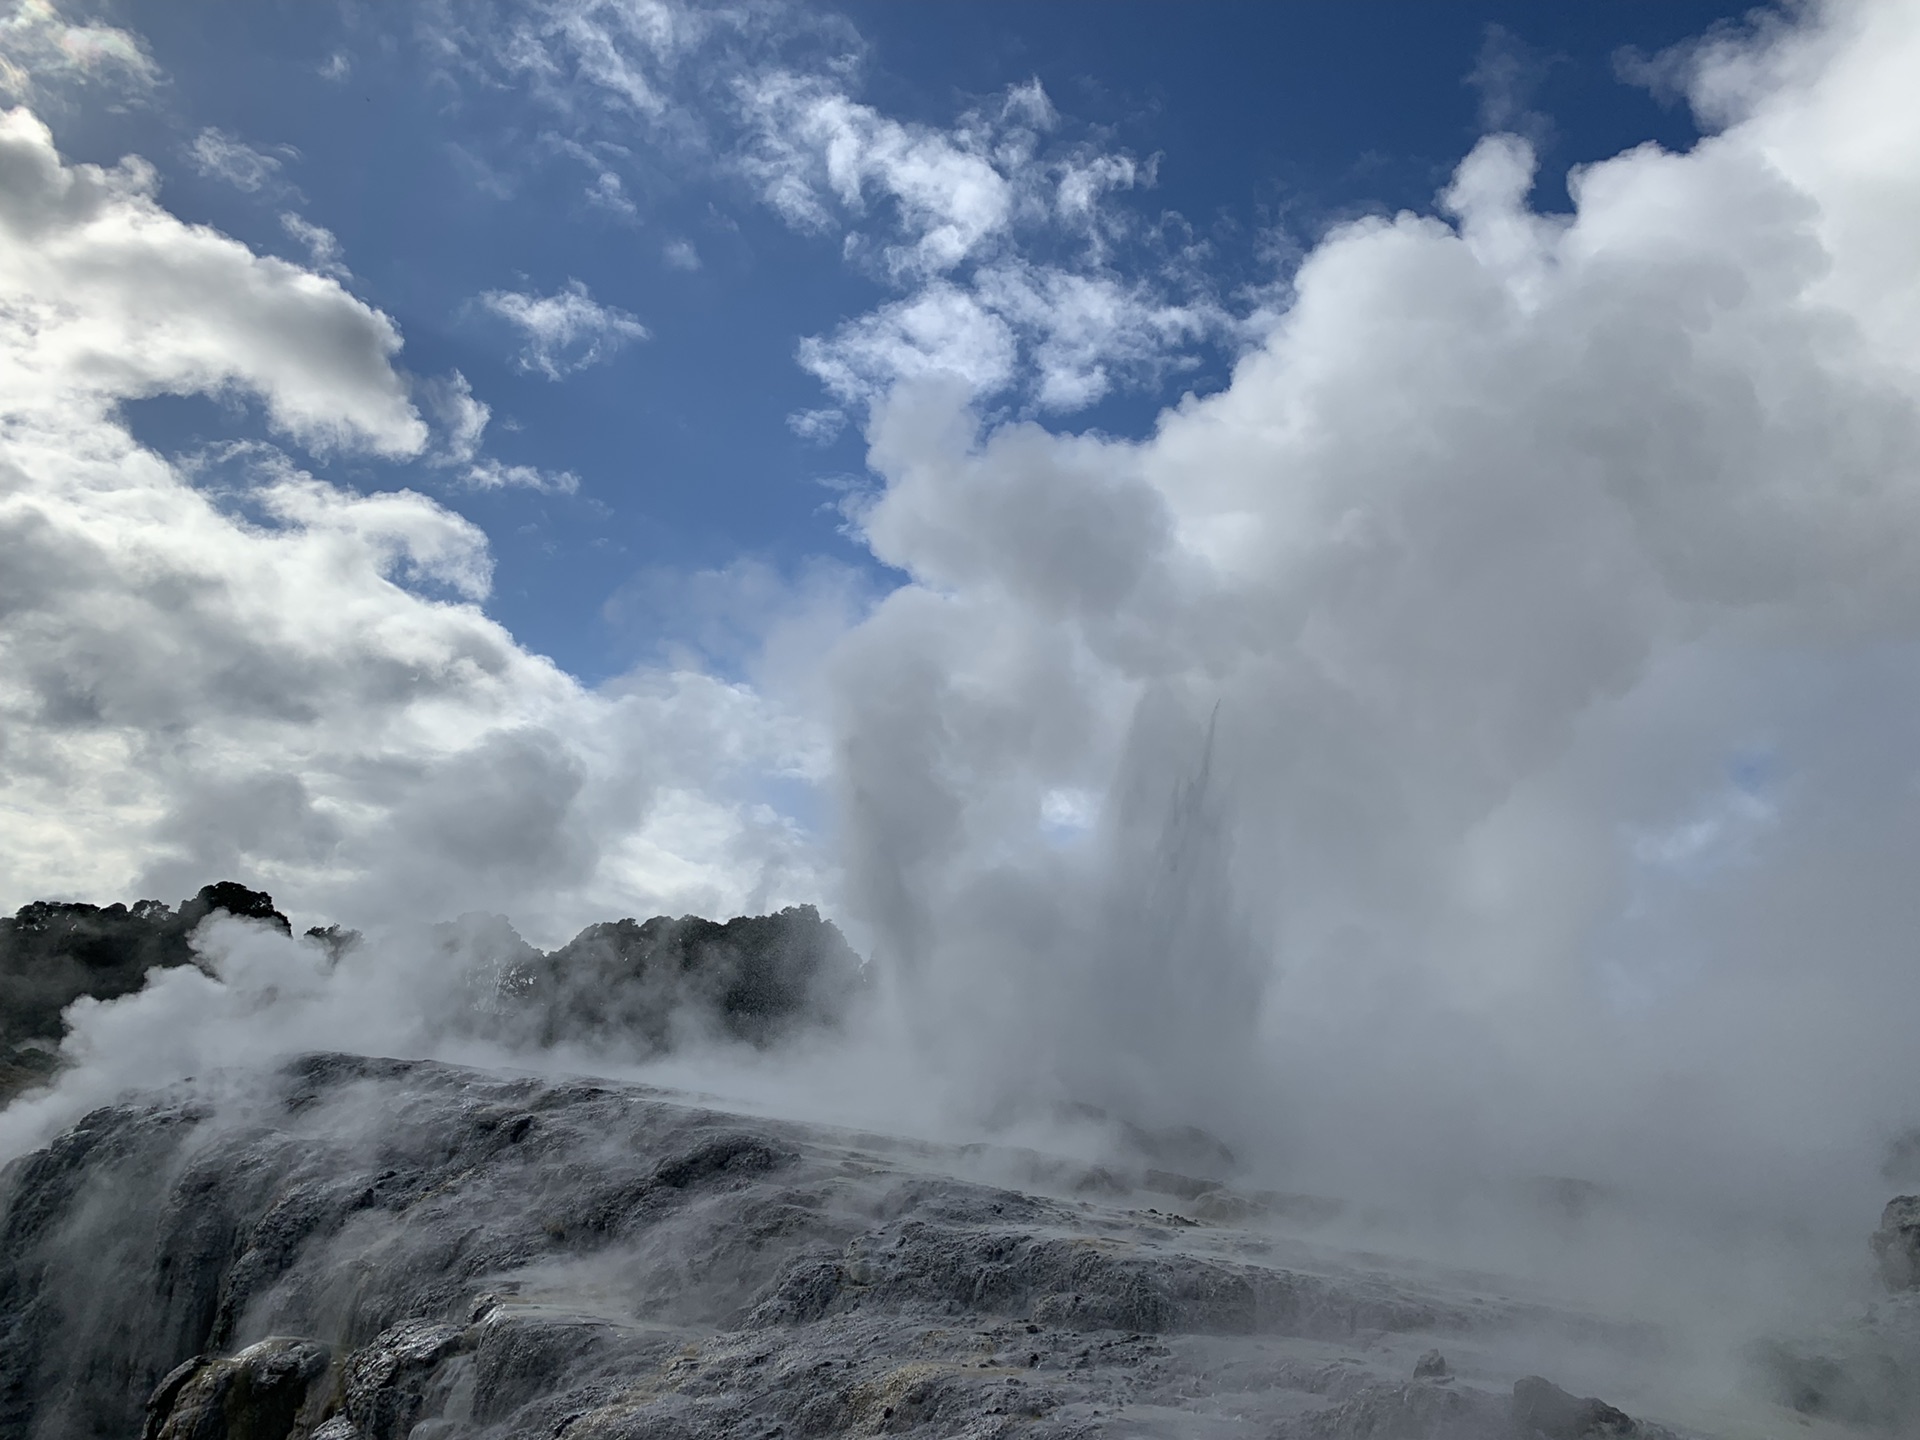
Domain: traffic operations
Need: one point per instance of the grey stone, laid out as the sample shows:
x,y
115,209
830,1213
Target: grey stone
x,y
1865,1372
1542,1408
1431,1366
1896,1244
272,1390
489,1255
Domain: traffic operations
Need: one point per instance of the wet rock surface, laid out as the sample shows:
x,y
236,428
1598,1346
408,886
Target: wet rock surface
x,y
1542,1408
1896,1244
272,1389
378,1248
1864,1373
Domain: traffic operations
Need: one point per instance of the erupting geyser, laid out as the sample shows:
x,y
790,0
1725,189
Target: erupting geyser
x,y
1318,829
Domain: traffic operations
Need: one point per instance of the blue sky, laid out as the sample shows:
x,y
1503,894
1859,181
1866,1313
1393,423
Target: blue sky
x,y
442,179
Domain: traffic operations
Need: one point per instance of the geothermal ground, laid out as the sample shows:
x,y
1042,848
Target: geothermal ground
x,y
338,1246
378,1248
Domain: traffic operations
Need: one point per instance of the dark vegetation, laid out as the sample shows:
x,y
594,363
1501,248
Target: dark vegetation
x,y
631,986
52,952
755,978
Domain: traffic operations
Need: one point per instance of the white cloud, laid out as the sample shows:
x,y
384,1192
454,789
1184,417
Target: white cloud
x,y
1086,329
1509,536
565,331
491,474
322,245
622,48
609,193
1506,75
109,296
220,156
1304,768
941,331
625,62
38,44
463,419
1071,337
821,427
949,216
967,203
463,416
285,680
812,145
680,255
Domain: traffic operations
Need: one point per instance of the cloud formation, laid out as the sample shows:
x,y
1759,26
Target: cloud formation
x,y
321,244
287,680
39,45
110,297
1492,697
566,331
1016,267
220,156
463,418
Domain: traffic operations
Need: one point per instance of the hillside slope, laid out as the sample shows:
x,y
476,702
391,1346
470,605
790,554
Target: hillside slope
x,y
378,1248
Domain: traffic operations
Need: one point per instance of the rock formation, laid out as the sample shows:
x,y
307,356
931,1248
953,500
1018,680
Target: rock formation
x,y
1864,1372
347,1248
1896,1244
374,1249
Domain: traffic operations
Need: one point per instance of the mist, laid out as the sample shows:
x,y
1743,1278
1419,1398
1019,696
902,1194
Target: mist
x,y
1473,741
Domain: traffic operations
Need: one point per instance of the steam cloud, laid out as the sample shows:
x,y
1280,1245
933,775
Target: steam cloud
x,y
1476,742
1553,580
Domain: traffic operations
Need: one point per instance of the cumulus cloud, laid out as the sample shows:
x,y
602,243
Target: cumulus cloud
x,y
565,331
1474,728
109,297
289,680
1480,722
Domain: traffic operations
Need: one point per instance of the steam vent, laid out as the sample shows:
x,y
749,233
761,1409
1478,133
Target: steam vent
x,y
965,720
344,1246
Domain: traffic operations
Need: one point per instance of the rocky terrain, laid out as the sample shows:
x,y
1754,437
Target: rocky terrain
x,y
378,1248
354,1248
